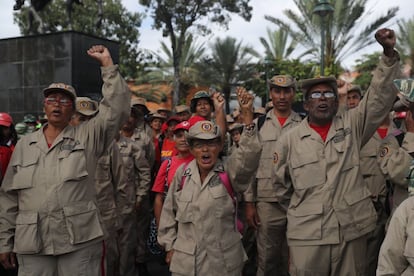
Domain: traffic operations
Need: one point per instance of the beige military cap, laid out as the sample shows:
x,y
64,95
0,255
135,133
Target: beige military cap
x,y
260,110
60,87
355,88
203,130
282,81
307,84
235,126
182,108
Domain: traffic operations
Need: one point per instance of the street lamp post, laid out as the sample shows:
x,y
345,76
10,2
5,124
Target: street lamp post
x,y
323,8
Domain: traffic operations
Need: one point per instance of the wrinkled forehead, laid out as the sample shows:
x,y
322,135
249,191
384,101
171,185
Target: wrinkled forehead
x,y
321,87
57,94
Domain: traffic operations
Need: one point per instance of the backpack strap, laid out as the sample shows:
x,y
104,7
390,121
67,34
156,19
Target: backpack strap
x,y
260,121
183,177
166,177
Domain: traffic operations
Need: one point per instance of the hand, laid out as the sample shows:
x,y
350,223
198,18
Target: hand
x,y
101,54
168,256
409,121
252,217
245,100
218,100
387,39
8,260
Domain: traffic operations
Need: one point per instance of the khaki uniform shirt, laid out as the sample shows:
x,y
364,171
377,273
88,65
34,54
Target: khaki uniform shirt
x,y
330,200
109,175
137,182
262,189
373,177
143,136
394,161
396,256
48,196
198,219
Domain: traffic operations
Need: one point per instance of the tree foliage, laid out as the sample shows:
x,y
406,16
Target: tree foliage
x,y
117,24
346,30
364,67
230,64
178,17
406,41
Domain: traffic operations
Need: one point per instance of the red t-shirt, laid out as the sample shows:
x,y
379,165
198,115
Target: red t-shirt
x,y
322,130
168,149
281,120
382,132
176,162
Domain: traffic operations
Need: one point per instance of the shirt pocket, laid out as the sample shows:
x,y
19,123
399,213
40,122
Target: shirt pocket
x,y
27,237
222,202
305,222
72,164
82,222
183,258
233,252
24,172
184,213
103,168
307,171
359,211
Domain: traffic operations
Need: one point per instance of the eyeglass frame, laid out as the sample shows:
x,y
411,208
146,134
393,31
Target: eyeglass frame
x,y
63,101
328,94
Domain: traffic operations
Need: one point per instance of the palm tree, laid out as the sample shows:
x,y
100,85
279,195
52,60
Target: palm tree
x,y
230,64
163,70
344,33
279,45
406,40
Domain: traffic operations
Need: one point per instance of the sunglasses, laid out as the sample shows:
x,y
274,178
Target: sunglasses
x,y
329,94
60,101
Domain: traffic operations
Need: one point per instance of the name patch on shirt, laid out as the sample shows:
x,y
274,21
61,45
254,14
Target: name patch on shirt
x,y
69,146
340,135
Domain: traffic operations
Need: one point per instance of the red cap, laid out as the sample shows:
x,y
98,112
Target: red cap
x,y
184,125
5,119
193,120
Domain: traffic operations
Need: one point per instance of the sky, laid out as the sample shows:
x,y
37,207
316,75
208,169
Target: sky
x,y
248,32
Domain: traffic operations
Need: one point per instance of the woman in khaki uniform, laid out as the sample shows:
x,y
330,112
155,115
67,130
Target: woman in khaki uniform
x,y
197,225
48,210
397,251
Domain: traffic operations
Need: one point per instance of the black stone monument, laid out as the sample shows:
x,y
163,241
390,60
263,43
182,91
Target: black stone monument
x,y
29,64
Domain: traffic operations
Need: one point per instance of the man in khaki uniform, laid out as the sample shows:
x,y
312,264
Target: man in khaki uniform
x,y
330,211
136,129
109,174
264,210
395,157
132,192
197,226
397,251
48,211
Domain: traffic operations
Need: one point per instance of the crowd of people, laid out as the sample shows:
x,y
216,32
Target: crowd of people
x,y
103,188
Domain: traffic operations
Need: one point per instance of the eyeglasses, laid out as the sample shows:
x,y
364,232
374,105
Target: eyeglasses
x,y
60,101
329,94
209,143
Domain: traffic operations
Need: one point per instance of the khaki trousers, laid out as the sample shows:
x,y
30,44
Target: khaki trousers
x,y
128,245
272,249
345,258
86,261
